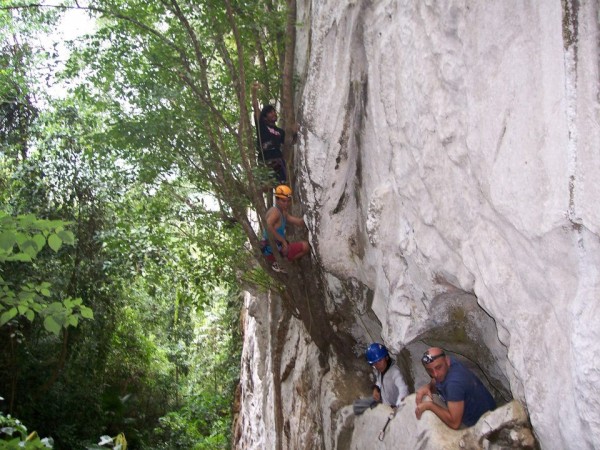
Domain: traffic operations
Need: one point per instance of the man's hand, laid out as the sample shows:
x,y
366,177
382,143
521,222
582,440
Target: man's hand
x,y
422,392
284,248
422,407
377,394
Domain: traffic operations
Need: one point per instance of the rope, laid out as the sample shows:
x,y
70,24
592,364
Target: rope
x,y
366,329
257,125
262,153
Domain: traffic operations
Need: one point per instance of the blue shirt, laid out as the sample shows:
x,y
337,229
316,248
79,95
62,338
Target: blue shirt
x,y
280,229
461,385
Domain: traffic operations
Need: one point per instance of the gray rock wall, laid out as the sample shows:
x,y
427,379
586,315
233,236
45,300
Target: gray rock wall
x,y
448,168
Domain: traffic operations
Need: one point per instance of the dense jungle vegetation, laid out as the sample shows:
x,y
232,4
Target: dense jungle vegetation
x,y
126,206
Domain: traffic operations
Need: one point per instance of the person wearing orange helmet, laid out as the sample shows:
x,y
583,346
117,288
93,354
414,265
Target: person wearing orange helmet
x,y
277,219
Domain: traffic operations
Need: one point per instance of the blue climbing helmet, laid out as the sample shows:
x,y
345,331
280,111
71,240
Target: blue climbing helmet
x,y
375,352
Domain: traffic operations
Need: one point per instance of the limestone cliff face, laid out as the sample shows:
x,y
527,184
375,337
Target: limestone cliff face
x,y
449,174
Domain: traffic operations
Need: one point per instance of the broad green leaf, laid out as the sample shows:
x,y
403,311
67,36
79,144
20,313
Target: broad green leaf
x,y
9,298
86,312
26,220
51,325
56,224
21,237
45,292
7,315
54,242
30,315
7,240
67,236
40,241
22,309
22,257
55,307
68,303
26,295
73,321
30,247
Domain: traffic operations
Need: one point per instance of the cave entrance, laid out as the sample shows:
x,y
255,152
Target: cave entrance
x,y
464,329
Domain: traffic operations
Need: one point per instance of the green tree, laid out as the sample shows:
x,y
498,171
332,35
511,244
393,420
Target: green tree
x,y
174,82
151,161
30,236
147,265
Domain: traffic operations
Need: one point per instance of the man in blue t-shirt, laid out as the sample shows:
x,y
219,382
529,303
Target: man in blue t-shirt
x,y
464,395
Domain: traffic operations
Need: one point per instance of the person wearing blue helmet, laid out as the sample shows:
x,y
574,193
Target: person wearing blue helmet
x,y
390,387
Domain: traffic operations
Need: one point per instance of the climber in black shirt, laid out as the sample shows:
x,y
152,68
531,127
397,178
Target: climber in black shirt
x,y
270,138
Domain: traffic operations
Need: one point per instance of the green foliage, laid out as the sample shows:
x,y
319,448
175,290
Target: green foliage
x,y
204,420
14,436
28,236
182,430
143,162
23,64
170,80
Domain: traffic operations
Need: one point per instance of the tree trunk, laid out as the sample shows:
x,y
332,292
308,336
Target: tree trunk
x,y
287,100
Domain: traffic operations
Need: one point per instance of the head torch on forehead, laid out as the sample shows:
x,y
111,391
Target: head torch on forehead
x,y
428,359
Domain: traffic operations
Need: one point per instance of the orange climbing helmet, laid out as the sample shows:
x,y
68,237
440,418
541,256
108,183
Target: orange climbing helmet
x,y
283,191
